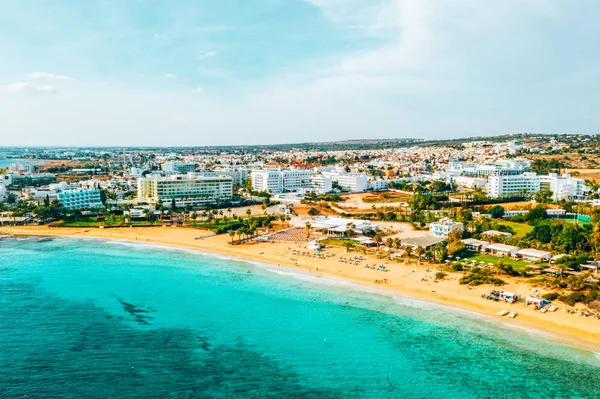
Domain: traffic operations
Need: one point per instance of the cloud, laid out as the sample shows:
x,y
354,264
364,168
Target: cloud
x,y
49,76
208,54
21,87
159,36
197,90
170,75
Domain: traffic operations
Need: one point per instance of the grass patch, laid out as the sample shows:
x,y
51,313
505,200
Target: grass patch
x,y
519,228
479,257
386,196
573,221
90,221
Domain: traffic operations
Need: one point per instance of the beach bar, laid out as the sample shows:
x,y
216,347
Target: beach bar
x,y
501,249
475,245
534,255
509,297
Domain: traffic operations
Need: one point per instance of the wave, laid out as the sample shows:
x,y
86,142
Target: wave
x,y
307,277
531,331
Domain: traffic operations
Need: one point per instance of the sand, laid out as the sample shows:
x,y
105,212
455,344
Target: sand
x,y
411,280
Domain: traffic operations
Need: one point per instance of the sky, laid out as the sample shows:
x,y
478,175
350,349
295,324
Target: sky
x,y
229,72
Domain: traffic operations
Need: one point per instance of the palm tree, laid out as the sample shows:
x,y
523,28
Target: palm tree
x,y
389,243
397,244
350,229
248,212
194,217
147,213
407,253
307,225
231,234
419,252
239,232
377,238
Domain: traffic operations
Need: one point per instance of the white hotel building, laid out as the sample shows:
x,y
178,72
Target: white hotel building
x,y
284,180
289,180
80,199
562,187
351,182
185,189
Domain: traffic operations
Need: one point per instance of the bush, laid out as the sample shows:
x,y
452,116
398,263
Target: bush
x,y
457,267
551,296
479,276
573,298
440,275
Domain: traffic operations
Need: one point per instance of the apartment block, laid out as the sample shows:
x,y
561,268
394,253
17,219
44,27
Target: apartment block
x,y
185,189
80,199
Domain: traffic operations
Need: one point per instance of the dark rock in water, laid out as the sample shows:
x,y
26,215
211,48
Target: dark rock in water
x,y
136,311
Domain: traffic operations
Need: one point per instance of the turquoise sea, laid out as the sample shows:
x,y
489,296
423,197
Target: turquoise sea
x,y
101,319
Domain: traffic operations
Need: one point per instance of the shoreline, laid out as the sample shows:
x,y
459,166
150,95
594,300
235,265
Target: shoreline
x,y
410,281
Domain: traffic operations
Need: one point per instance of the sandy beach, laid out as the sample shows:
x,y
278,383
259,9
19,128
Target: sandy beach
x,y
411,280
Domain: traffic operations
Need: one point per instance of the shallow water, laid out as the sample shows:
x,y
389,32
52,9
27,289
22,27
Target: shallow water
x,y
101,319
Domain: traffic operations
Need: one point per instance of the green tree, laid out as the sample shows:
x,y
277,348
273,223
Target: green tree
x,y
496,211
419,253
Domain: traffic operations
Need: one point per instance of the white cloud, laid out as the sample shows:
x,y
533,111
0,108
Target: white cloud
x,y
170,75
21,87
208,54
49,76
159,36
197,90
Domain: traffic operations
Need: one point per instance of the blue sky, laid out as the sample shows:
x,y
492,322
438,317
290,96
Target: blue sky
x,y
183,72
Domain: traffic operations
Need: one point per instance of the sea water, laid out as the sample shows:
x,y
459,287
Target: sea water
x,y
103,319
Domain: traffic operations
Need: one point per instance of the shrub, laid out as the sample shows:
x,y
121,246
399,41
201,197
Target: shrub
x,y
551,296
457,267
479,276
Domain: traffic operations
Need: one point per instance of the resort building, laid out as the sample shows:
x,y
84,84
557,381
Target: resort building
x,y
238,176
29,180
513,185
321,184
562,187
534,255
185,189
80,199
496,233
336,225
501,249
286,180
444,227
502,167
178,167
424,242
475,245
350,182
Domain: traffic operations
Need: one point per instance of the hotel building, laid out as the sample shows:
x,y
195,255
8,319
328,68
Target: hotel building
x,y
185,189
562,187
80,199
